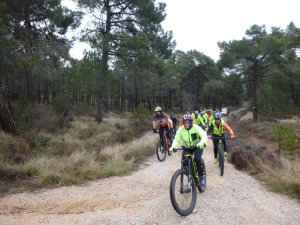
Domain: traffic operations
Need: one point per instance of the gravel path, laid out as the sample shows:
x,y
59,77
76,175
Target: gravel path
x,y
143,198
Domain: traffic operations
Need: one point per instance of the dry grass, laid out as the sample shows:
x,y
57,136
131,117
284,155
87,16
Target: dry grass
x,y
284,178
255,152
86,151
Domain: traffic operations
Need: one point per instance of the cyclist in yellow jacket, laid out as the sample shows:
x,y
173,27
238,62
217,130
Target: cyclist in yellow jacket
x,y
192,134
217,128
197,119
204,117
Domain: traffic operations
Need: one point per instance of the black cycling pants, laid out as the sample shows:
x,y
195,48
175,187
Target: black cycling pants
x,y
199,161
216,142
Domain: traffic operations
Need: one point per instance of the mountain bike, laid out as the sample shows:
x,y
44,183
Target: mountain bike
x,y
183,184
220,154
162,150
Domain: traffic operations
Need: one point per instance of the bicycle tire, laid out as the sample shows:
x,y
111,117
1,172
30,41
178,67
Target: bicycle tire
x,y
167,149
169,153
167,145
181,175
221,161
160,152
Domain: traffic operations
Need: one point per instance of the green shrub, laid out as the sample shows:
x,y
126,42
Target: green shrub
x,y
13,148
284,135
39,140
142,110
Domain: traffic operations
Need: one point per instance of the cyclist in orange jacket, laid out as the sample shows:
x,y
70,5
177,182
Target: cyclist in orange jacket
x,y
217,128
162,121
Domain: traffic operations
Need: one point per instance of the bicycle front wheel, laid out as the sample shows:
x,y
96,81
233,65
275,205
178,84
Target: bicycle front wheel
x,y
183,192
221,161
160,152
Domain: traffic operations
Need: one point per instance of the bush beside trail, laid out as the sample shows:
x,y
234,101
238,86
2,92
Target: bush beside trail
x,y
256,152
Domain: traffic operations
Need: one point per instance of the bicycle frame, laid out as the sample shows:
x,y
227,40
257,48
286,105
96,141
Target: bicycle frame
x,y
220,146
220,143
220,153
188,163
166,140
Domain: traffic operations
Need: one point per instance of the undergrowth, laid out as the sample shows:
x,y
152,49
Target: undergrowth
x,y
256,152
83,151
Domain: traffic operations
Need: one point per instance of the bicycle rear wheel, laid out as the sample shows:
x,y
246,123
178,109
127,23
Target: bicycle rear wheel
x,y
221,161
167,145
160,152
183,192
169,153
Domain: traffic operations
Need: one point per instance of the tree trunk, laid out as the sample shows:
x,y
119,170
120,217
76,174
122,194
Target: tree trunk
x,y
7,121
30,79
254,94
46,93
62,119
160,93
31,88
136,100
122,109
39,92
102,93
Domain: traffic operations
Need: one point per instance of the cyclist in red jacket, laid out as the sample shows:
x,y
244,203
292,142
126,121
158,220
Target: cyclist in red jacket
x,y
162,121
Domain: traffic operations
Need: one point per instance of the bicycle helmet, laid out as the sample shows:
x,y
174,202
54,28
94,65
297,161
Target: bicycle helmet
x,y
171,114
208,111
158,109
217,116
196,112
189,118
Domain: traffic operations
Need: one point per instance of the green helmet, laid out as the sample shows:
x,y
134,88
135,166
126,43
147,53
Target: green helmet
x,y
158,109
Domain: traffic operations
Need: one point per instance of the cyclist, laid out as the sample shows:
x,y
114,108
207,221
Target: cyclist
x,y
204,117
192,134
209,115
217,129
175,121
197,119
162,121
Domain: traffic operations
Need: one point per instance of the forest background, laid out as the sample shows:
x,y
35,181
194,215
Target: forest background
x,y
53,108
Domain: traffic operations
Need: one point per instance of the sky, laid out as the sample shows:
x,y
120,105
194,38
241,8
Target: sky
x,y
201,24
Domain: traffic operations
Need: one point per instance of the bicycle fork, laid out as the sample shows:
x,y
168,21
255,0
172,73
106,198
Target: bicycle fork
x,y
189,183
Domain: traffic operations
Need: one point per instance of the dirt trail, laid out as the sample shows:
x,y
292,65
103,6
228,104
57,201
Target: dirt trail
x,y
143,198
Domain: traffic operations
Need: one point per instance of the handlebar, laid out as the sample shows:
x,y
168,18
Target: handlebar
x,y
184,148
220,137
